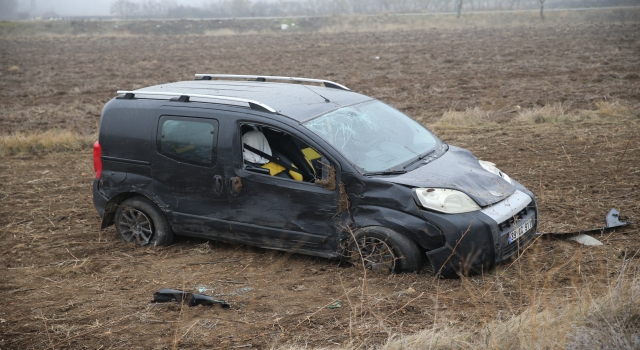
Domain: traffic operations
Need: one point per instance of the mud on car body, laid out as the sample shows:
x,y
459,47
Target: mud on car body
x,y
318,170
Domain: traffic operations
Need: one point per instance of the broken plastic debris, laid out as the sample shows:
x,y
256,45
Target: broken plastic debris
x,y
166,295
335,305
612,219
245,289
584,239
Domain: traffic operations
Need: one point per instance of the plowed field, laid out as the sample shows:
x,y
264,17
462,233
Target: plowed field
x,y
65,284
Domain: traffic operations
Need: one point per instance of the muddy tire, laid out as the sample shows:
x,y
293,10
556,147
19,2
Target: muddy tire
x,y
384,251
139,220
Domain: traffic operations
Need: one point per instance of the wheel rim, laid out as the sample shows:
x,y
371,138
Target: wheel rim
x,y
135,224
375,254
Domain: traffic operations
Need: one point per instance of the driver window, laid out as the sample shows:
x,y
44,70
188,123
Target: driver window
x,y
273,152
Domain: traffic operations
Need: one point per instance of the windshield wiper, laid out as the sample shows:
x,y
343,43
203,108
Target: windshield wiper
x,y
387,172
419,158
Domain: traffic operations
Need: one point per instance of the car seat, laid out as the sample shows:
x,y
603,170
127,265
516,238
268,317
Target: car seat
x,y
264,157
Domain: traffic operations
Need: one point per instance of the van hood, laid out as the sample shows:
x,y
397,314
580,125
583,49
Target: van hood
x,y
458,169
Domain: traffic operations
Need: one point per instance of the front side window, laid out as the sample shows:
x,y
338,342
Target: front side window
x,y
374,136
188,139
271,151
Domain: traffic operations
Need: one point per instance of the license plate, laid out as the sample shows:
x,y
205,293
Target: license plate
x,y
515,234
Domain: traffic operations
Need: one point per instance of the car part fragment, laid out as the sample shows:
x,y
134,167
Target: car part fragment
x,y
613,221
584,239
166,295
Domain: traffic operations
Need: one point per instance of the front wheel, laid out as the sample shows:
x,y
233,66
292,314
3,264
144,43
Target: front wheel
x,y
138,219
384,251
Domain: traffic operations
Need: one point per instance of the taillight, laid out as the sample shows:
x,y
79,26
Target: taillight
x,y
97,159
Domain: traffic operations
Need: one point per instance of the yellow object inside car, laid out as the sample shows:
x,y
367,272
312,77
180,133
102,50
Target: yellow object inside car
x,y
184,148
275,169
310,155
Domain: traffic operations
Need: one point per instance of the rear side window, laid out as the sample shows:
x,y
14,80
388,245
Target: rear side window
x,y
189,140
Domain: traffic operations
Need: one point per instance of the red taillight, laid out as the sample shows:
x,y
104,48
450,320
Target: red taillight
x,y
97,159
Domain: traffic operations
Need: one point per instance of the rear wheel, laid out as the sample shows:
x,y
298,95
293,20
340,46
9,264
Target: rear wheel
x,y
138,219
384,251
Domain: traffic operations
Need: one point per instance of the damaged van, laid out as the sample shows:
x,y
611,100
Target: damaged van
x,y
306,166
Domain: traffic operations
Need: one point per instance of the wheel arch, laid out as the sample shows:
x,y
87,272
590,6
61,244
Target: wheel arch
x,y
108,218
402,244
423,233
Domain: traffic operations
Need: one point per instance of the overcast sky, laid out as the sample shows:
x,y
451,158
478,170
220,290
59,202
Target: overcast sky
x,y
82,7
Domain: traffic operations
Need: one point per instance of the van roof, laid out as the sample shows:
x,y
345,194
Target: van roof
x,y
295,101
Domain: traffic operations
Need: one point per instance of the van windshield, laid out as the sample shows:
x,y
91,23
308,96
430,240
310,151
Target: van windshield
x,y
374,136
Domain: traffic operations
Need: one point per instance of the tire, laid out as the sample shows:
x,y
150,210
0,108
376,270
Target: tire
x,y
138,219
384,251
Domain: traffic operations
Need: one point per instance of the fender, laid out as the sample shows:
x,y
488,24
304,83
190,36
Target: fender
x,y
108,217
422,232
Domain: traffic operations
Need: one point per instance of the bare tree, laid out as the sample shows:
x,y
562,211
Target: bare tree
x,y
124,8
241,8
157,8
459,9
542,9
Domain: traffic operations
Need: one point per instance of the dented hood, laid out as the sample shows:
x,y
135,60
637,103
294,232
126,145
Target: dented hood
x,y
458,169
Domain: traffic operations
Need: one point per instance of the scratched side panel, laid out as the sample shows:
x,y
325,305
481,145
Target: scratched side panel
x,y
275,212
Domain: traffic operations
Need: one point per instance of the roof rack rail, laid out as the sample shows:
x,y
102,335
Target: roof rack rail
x,y
184,97
327,83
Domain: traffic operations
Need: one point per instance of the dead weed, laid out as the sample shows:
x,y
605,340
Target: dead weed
x,y
55,140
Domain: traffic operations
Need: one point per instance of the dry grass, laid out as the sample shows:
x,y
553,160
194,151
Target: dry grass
x,y
55,140
555,113
606,109
470,117
609,322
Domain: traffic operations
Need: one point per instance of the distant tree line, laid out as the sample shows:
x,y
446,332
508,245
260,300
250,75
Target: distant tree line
x,y
280,8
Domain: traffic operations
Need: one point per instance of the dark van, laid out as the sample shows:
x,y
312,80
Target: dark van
x,y
301,165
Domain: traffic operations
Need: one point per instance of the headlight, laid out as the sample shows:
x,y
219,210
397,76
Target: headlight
x,y
491,167
445,200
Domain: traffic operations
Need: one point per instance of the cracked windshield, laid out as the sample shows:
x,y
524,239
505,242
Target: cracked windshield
x,y
374,136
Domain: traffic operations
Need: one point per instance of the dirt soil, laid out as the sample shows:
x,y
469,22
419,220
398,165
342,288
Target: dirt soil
x,y
65,284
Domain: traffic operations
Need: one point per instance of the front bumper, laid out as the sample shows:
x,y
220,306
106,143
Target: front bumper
x,y
477,241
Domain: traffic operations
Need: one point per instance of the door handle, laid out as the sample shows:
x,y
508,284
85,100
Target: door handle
x,y
217,184
235,186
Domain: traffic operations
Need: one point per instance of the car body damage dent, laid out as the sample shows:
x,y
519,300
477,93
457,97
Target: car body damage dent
x,y
380,203
343,203
458,169
330,182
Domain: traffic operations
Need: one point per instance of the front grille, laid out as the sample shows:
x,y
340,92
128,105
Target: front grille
x,y
509,225
511,222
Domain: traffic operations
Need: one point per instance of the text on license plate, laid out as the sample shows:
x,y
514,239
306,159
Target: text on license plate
x,y
515,234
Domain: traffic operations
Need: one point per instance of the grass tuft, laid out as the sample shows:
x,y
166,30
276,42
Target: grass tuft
x,y
55,140
470,117
556,113
553,113
615,110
